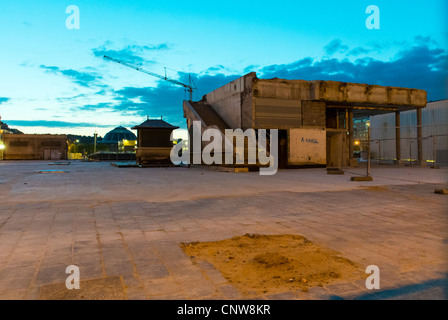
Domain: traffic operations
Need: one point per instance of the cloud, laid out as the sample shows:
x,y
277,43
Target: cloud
x,y
165,99
215,69
4,99
358,51
54,124
335,46
419,66
130,53
85,79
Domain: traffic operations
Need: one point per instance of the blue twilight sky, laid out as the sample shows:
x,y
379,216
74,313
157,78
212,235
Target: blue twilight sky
x,y
53,80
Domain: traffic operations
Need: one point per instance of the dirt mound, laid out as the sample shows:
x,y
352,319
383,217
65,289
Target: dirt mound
x,y
259,264
271,259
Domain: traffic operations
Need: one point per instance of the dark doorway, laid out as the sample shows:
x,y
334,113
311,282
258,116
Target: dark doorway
x,y
282,149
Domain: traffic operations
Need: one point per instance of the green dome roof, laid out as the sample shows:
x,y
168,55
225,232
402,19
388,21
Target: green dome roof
x,y
118,134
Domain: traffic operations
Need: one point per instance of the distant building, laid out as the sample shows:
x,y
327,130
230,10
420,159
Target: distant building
x,y
434,135
127,146
112,138
154,141
34,147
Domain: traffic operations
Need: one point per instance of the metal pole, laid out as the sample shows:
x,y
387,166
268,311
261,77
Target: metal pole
x,y
95,134
379,151
1,141
368,156
434,150
397,137
351,132
420,136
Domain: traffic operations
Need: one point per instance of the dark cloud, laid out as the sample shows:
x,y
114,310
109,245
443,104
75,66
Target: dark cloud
x,y
422,65
85,79
335,46
4,99
358,51
163,100
251,68
419,66
131,53
54,124
214,69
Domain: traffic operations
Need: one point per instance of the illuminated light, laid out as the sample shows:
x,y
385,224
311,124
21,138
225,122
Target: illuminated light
x,y
2,146
357,143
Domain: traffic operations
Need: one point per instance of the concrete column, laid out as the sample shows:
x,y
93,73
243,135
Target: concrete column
x,y
420,135
351,138
398,137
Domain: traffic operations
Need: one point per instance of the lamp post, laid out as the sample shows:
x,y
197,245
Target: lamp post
x,y
2,146
368,148
95,135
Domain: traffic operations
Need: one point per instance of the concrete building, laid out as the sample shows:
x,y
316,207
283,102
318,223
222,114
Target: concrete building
x,y
34,147
314,118
154,141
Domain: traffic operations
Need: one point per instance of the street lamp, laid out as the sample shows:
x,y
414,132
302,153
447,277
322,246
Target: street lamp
x,y
369,130
95,135
2,147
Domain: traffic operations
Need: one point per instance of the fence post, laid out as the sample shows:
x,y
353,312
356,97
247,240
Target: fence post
x,y
398,137
434,150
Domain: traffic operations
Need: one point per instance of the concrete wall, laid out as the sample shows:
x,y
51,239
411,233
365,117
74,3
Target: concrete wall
x,y
228,100
307,146
278,103
313,114
352,93
35,147
277,113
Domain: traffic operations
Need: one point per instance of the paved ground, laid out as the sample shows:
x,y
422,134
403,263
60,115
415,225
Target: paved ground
x,y
128,223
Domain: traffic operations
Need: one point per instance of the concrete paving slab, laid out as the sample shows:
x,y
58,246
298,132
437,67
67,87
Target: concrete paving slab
x,y
50,221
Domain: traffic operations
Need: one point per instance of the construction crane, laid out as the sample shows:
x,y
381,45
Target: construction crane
x,y
190,88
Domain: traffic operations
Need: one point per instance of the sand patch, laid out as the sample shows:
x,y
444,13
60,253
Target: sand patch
x,y
259,264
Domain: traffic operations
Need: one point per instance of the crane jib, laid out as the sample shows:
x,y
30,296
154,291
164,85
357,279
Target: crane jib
x,y
189,88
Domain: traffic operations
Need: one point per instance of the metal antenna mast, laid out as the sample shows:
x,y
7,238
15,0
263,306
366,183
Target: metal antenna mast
x,y
190,88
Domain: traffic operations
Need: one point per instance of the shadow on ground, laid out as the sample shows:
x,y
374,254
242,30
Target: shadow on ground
x,y
436,289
